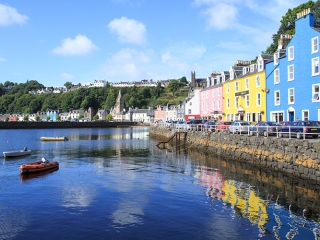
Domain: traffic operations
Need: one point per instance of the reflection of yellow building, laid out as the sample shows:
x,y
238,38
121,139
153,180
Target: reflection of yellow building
x,y
246,201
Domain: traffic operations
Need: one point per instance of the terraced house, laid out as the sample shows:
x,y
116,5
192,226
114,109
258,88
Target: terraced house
x,y
244,93
293,75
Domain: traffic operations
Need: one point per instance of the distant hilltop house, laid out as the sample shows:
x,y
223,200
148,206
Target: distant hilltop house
x,y
142,83
103,83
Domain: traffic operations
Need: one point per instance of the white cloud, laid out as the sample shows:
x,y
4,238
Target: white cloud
x,y
174,63
128,63
221,16
66,76
128,30
9,15
187,50
80,45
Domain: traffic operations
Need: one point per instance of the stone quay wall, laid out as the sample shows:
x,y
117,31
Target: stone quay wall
x,y
294,156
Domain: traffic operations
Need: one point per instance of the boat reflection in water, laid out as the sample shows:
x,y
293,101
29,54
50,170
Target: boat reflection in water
x,y
28,176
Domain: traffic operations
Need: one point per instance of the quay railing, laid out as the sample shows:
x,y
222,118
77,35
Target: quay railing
x,y
300,132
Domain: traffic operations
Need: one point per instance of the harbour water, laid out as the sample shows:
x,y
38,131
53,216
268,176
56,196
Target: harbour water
x,y
114,183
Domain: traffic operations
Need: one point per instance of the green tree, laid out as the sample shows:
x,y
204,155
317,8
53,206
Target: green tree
x,y
48,118
174,86
287,23
68,85
184,81
81,116
26,118
109,117
58,118
95,117
37,118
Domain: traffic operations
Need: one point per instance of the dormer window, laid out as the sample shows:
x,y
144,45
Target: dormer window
x,y
290,53
231,74
260,65
251,67
244,70
314,45
276,59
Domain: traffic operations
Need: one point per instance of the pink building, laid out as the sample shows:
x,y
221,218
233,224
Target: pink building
x,y
160,113
211,99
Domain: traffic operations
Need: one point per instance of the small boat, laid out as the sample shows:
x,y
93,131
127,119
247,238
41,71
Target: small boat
x,y
17,153
27,176
54,139
38,166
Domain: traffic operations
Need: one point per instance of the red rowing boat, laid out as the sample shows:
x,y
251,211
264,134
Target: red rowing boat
x,y
39,166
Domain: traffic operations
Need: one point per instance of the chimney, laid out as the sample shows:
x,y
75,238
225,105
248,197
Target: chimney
x,y
284,41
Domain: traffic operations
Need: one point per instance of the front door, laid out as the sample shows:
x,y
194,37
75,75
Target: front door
x,y
291,116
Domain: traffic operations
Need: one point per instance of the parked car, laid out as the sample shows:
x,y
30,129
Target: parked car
x,y
239,127
264,128
170,123
223,126
300,129
181,125
196,124
209,126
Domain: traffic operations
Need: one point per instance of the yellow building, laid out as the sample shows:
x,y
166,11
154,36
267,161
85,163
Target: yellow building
x,y
244,93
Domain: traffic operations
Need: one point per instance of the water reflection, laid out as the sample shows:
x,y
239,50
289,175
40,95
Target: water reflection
x,y
275,201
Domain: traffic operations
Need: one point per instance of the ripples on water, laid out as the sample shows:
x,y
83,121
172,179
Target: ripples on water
x,y
116,184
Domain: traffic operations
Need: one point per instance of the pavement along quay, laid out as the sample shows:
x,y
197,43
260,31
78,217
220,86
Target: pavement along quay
x,y
298,157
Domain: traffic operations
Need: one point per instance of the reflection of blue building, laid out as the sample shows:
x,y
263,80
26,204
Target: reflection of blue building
x,y
293,77
53,114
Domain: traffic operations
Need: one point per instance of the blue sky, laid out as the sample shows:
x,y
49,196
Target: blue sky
x,y
61,41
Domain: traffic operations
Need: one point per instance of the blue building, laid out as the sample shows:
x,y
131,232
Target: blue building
x,y
293,80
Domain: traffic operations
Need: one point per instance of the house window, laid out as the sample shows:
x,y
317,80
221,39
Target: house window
x,y
290,72
305,115
189,111
190,103
228,103
202,95
277,98
258,99
275,57
218,104
290,95
236,86
213,92
291,53
237,102
207,106
258,81
315,92
314,45
218,91
248,117
247,100
207,94
228,88
276,76
247,83
315,66
213,105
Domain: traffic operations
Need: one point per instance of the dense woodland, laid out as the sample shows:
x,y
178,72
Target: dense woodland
x,y
19,100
